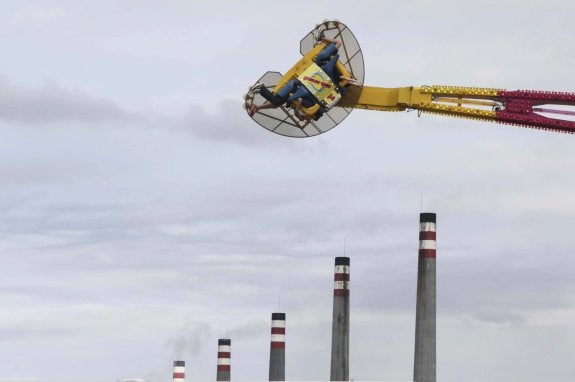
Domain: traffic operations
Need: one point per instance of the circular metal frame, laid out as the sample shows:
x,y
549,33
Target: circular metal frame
x,y
282,120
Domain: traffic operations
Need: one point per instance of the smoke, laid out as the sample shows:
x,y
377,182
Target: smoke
x,y
189,340
248,330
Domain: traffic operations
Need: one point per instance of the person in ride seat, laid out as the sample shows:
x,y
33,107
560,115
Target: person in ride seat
x,y
294,93
327,59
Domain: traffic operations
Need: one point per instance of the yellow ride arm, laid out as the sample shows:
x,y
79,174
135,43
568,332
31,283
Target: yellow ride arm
x,y
476,103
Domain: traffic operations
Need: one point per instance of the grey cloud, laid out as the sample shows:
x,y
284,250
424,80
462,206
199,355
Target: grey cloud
x,y
51,103
231,124
34,334
30,293
500,317
34,171
253,227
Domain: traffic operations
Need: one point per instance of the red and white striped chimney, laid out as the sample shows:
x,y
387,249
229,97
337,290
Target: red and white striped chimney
x,y
224,357
179,374
340,321
424,365
277,347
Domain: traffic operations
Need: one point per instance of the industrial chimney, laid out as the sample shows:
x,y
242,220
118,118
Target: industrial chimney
x,y
179,371
340,322
277,347
424,360
224,356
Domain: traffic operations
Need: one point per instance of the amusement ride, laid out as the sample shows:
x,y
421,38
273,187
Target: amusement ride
x,y
335,96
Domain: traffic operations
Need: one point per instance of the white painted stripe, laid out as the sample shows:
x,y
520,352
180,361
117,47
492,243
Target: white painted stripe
x,y
179,379
179,369
342,269
224,348
224,361
427,226
427,244
341,285
278,324
278,338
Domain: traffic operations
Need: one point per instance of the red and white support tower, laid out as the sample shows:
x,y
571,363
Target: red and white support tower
x,y
179,374
277,347
224,357
340,322
424,360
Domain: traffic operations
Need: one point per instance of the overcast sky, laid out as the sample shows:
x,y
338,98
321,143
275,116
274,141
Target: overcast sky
x,y
143,215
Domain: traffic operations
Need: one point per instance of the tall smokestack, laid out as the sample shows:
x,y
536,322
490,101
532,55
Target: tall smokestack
x,y
277,347
340,322
224,356
179,371
424,361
